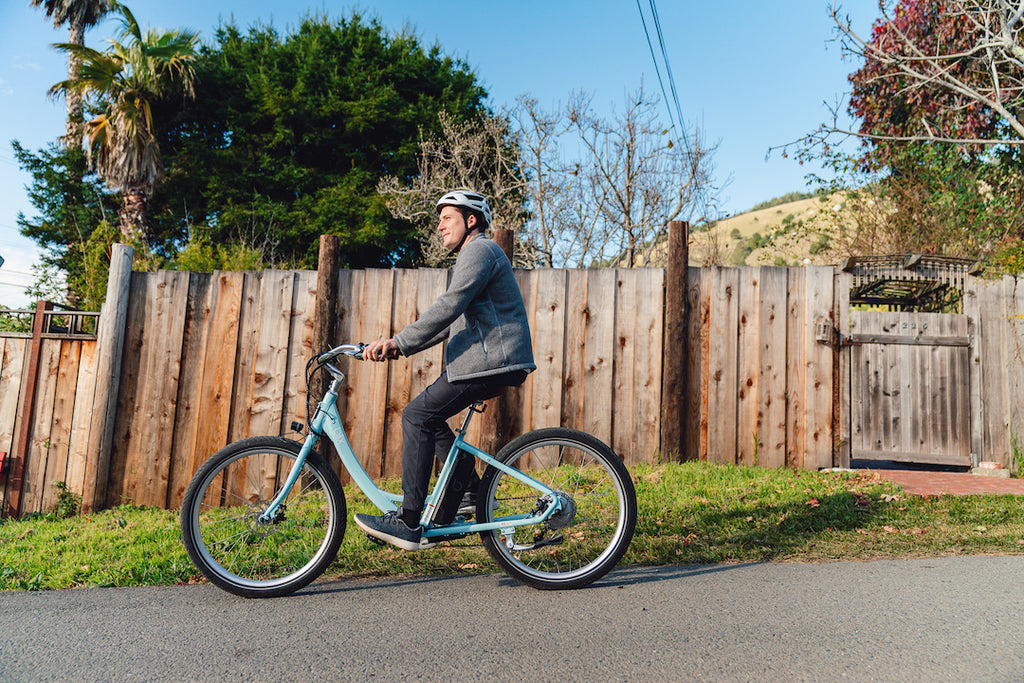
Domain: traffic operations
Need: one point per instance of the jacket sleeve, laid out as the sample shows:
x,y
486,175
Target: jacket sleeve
x,y
473,269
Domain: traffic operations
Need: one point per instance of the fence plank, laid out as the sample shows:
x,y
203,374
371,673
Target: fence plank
x,y
39,451
695,437
842,392
127,422
165,323
648,338
400,377
190,384
1015,347
70,353
772,364
271,362
623,359
549,347
818,296
722,365
213,415
996,360
520,399
971,308
13,358
371,306
85,389
599,353
245,357
795,322
577,312
301,348
748,433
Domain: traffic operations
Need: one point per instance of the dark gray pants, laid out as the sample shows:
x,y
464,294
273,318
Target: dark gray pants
x,y
426,434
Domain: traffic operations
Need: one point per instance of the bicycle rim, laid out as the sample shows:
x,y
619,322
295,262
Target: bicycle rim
x,y
564,552
245,555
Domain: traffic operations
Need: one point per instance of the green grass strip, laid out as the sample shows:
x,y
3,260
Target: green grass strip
x,y
692,513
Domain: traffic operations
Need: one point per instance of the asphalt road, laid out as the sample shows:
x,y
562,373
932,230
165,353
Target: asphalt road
x,y
950,619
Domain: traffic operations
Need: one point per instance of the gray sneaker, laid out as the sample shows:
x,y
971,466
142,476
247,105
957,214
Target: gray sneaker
x,y
389,527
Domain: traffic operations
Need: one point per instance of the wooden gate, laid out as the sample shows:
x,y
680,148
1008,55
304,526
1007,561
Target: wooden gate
x,y
910,387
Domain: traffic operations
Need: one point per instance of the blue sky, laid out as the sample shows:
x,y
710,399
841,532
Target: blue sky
x,y
751,74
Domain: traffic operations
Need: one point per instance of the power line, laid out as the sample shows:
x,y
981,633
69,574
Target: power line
x,y
671,78
654,59
673,100
672,104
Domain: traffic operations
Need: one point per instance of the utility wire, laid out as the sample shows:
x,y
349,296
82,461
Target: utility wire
x,y
654,59
670,102
671,78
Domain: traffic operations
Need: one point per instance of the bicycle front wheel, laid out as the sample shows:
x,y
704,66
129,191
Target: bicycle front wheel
x,y
593,526
226,536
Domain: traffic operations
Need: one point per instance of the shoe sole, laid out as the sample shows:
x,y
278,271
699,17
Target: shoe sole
x,y
393,540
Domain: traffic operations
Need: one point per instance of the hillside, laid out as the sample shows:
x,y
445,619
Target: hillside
x,y
785,234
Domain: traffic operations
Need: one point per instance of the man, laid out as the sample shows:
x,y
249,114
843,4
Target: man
x,y
489,348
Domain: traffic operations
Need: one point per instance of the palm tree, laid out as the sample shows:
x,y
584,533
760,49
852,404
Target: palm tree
x,y
124,82
78,15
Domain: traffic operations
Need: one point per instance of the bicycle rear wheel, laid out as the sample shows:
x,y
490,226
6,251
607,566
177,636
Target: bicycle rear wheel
x,y
589,534
236,550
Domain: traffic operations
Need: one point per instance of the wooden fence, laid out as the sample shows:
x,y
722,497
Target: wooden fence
x,y
211,358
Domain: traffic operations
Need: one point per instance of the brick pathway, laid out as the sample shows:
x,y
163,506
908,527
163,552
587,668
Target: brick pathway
x,y
918,483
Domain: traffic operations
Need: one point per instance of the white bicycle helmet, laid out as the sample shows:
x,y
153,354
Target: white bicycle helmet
x,y
468,199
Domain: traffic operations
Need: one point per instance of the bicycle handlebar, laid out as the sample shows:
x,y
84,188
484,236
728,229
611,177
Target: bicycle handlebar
x,y
350,350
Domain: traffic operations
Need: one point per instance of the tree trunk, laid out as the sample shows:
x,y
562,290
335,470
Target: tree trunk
x,y
134,214
74,123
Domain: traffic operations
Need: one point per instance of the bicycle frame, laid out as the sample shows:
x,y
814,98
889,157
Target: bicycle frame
x,y
327,422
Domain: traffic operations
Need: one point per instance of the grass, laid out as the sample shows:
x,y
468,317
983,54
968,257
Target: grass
x,y
688,514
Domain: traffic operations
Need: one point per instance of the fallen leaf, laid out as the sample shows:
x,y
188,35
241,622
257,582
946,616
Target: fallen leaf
x,y
891,530
813,502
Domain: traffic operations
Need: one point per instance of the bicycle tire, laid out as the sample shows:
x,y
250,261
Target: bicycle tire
x,y
579,546
232,548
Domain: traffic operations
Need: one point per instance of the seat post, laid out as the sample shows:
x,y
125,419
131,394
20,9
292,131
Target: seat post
x,y
474,407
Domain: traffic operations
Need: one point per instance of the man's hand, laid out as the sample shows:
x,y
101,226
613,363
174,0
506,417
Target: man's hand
x,y
381,350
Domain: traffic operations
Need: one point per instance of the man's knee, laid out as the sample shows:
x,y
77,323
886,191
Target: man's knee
x,y
414,415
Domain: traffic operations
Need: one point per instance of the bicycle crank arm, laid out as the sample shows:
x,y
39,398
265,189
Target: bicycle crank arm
x,y
512,545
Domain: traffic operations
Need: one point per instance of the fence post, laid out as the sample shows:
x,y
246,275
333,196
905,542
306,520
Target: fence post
x,y
503,238
26,408
109,352
673,381
325,315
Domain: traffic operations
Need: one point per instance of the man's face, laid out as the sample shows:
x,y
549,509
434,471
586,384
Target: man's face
x,y
452,226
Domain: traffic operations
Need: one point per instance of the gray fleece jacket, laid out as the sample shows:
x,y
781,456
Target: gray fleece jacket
x,y
483,315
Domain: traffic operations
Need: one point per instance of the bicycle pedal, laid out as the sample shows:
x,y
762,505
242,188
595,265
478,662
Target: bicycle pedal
x,y
376,540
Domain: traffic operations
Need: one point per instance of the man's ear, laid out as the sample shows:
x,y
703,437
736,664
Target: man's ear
x,y
470,221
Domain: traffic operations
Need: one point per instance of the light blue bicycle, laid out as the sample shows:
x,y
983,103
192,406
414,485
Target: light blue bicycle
x,y
264,516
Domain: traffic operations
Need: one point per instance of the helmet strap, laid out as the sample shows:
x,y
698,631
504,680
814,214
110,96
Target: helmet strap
x,y
465,235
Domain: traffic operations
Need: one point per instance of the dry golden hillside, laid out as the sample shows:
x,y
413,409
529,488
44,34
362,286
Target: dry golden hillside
x,y
786,234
